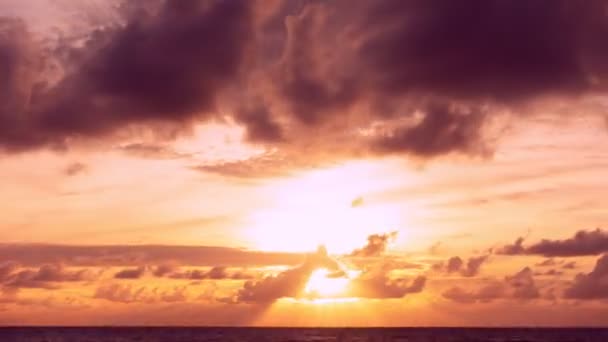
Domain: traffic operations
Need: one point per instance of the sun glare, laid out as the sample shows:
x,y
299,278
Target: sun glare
x,y
321,284
323,207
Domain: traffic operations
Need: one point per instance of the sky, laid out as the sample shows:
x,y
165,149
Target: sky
x,y
304,163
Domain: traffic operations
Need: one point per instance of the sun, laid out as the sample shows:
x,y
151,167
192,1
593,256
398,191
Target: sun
x,y
322,284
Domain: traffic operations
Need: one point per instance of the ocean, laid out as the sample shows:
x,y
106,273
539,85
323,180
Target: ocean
x,y
157,334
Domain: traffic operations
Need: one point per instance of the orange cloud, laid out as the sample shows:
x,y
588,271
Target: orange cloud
x,y
376,245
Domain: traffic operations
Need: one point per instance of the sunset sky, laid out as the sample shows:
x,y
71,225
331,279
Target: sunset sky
x,y
304,163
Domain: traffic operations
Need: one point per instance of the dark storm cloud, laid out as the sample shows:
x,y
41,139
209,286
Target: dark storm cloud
x,y
137,255
453,63
376,245
592,242
431,72
593,285
161,67
451,131
496,49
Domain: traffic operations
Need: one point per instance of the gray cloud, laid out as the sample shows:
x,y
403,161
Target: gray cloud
x,y
47,276
485,294
457,265
424,86
592,285
379,285
214,273
131,273
592,242
523,284
520,286
137,255
123,293
547,262
550,272
121,77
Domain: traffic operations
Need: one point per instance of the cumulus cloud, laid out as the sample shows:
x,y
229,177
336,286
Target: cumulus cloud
x,y
120,77
380,285
593,285
523,284
46,276
124,293
457,265
425,87
592,242
172,270
289,283
7,269
164,269
376,245
547,262
513,249
485,294
373,283
214,273
550,272
131,273
520,286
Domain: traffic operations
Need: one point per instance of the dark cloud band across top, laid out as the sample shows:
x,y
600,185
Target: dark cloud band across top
x,y
421,77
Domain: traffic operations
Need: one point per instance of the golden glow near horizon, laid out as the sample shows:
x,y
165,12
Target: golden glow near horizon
x,y
162,202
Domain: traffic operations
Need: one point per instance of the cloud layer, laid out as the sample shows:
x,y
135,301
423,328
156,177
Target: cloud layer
x,y
592,242
357,74
593,285
138,255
